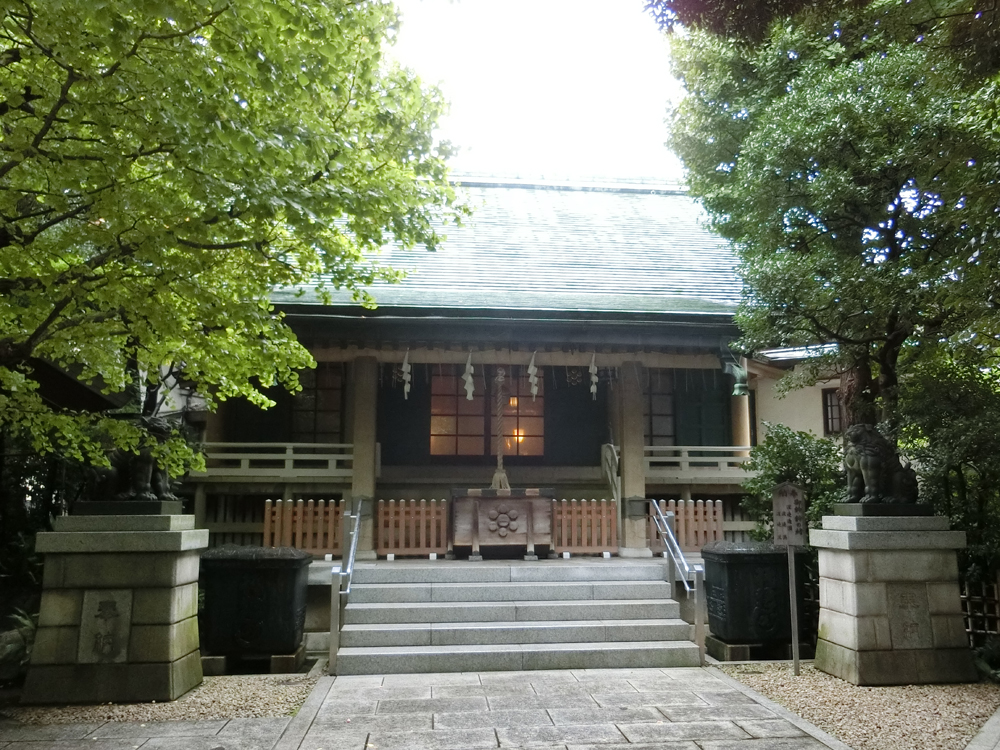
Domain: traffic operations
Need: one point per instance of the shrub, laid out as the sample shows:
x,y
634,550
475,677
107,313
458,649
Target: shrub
x,y
811,462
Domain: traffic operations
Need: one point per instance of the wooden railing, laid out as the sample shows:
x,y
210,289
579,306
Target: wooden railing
x,y
310,525
696,523
285,461
411,527
696,464
584,526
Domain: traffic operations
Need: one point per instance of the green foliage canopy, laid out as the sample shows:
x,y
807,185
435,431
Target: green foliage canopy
x,y
165,164
852,161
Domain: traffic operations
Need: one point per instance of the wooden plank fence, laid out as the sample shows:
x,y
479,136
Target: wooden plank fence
x,y
696,523
411,527
584,526
310,525
233,520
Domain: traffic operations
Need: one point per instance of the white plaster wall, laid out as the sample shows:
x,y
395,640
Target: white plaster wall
x,y
801,409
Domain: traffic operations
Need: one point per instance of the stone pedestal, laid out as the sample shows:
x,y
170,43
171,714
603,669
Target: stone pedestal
x,y
889,601
118,620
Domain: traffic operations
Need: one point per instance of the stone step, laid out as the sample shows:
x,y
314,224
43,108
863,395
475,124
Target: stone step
x,y
450,571
540,631
367,593
514,611
513,657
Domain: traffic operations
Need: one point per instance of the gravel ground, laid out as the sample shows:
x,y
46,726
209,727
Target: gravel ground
x,y
909,717
230,697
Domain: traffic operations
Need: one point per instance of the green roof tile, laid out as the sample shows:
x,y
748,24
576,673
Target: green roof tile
x,y
566,250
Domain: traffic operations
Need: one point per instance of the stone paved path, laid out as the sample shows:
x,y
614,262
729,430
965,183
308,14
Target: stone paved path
x,y
614,709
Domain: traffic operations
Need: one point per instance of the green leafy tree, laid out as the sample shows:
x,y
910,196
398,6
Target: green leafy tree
x,y
951,413
849,154
811,462
164,165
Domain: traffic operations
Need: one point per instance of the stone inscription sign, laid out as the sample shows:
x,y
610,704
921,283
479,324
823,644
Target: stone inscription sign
x,y
789,516
104,626
909,619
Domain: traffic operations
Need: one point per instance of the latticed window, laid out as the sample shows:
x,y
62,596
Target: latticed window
x,y
659,426
460,427
317,411
833,422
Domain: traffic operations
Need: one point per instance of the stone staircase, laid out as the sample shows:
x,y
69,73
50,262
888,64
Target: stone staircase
x,y
450,616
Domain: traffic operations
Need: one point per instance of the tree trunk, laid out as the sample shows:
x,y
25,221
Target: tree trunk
x,y
857,394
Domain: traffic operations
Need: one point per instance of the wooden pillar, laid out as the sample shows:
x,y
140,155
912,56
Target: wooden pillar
x,y
365,392
634,541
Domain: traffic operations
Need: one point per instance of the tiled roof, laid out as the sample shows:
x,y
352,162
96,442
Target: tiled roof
x,y
554,248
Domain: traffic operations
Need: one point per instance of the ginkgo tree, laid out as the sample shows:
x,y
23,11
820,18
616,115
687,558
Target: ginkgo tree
x,y
164,165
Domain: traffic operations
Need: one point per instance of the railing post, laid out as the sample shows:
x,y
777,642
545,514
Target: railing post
x,y
671,565
699,612
335,580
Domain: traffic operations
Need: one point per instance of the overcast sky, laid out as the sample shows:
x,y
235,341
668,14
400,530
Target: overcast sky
x,y
554,89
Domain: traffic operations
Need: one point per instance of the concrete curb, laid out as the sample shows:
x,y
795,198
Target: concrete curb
x,y
989,736
296,730
813,731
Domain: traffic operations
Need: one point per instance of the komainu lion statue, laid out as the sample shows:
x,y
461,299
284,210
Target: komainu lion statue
x,y
874,472
133,476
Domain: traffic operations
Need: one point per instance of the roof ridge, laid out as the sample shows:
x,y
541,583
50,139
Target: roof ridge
x,y
598,186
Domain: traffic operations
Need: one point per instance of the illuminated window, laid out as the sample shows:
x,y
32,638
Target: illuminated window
x,y
460,427
833,421
523,416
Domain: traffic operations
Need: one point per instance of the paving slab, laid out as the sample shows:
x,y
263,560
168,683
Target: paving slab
x,y
207,743
438,739
628,714
159,729
687,730
14,732
770,728
553,737
434,705
493,719
672,698
559,700
386,693
716,713
109,744
796,743
685,745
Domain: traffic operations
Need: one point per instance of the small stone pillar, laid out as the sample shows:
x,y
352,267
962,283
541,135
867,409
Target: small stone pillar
x,y
118,620
889,601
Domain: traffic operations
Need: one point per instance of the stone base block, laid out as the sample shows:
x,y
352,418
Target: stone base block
x,y
881,509
719,649
111,683
128,508
896,667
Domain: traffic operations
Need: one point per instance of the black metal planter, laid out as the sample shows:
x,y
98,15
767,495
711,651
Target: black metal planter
x,y
255,600
746,584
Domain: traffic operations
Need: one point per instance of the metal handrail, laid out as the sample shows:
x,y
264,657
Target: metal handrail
x,y
340,588
677,561
347,569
